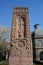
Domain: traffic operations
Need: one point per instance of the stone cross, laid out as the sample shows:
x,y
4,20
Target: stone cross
x,y
21,46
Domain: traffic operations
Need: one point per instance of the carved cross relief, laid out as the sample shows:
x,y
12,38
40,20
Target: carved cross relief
x,y
20,27
20,48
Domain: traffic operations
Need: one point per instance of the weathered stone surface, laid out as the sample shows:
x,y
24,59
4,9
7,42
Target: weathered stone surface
x,y
21,46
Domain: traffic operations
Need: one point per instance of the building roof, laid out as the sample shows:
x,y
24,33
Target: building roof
x,y
39,32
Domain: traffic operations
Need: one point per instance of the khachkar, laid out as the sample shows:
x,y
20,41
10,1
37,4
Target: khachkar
x,y
21,46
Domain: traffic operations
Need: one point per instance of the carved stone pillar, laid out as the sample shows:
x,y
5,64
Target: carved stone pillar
x,y
21,49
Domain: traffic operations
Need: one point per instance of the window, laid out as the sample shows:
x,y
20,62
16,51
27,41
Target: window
x,y
41,56
39,43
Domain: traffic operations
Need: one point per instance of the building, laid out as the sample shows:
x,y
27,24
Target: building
x,y
37,41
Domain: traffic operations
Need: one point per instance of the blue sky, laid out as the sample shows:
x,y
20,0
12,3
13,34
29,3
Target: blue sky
x,y
35,10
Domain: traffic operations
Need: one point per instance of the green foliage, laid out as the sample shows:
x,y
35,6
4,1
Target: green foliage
x,y
3,46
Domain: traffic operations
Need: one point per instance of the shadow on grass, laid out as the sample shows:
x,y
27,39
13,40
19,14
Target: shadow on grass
x,y
38,63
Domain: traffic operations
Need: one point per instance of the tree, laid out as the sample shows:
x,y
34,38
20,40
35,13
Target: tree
x,y
4,42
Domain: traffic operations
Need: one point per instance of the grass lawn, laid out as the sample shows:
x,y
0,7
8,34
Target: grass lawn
x,y
6,63
37,64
